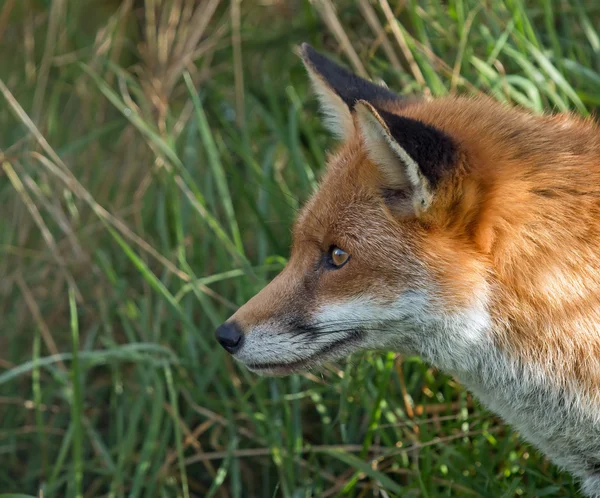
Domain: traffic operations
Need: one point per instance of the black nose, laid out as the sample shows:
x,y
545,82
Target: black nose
x,y
230,336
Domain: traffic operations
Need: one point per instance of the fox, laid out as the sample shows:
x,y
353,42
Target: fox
x,y
457,228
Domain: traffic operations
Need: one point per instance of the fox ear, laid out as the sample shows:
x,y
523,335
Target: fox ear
x,y
338,90
412,156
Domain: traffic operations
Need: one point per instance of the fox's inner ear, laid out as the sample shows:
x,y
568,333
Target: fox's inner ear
x,y
412,156
339,90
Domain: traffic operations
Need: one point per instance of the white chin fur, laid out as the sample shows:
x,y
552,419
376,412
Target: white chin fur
x,y
414,325
270,350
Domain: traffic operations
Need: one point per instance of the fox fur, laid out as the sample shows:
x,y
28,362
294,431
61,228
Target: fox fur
x,y
472,231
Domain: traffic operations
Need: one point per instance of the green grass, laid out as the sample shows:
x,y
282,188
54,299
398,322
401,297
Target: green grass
x,y
153,155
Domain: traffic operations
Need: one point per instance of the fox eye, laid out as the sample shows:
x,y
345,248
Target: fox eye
x,y
338,257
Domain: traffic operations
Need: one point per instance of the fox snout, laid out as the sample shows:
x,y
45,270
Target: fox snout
x,y
282,330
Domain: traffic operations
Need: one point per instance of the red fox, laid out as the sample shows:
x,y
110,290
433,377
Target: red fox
x,y
458,229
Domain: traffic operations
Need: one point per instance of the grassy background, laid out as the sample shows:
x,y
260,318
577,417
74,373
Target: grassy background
x,y
152,157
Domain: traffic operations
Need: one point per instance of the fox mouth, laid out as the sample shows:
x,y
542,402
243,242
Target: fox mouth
x,y
332,350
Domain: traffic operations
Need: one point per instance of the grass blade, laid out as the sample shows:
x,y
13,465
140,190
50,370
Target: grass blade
x,y
77,401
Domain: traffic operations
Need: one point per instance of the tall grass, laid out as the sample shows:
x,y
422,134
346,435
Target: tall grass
x,y
153,155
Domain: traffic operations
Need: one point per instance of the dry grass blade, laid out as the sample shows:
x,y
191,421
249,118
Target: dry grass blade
x,y
103,214
109,218
256,452
167,32
377,28
37,316
39,221
190,440
57,13
59,217
151,45
401,40
104,42
60,169
198,24
463,43
30,125
439,440
173,35
236,40
348,448
327,11
173,44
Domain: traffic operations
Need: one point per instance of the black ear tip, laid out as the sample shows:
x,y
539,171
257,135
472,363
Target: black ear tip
x,y
347,85
307,52
320,62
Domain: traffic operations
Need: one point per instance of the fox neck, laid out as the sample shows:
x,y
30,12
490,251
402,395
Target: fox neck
x,y
559,416
475,345
472,345
454,341
469,346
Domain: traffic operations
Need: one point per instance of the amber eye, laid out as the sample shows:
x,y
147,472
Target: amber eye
x,y
338,257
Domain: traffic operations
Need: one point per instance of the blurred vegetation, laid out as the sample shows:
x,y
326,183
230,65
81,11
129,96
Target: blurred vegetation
x,y
153,155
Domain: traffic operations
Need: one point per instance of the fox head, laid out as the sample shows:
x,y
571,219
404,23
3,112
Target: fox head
x,y
387,253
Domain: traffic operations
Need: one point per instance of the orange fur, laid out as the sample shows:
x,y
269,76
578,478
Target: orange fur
x,y
532,211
